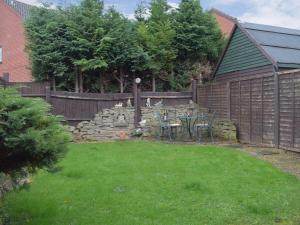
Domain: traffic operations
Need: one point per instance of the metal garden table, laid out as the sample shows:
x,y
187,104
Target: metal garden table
x,y
187,124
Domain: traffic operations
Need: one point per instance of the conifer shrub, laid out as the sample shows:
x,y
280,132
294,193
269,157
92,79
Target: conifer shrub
x,y
30,137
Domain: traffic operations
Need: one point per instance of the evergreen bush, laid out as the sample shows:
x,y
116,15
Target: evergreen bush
x,y
30,137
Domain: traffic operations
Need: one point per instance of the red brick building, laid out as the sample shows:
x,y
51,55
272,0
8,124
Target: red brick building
x,y
225,21
13,58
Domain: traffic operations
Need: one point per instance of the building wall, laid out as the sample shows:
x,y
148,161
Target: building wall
x,y
246,74
225,24
12,40
241,54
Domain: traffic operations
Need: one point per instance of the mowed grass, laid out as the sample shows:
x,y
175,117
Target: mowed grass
x,y
145,183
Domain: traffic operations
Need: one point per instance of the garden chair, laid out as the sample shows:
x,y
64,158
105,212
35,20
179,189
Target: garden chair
x,y
168,124
204,122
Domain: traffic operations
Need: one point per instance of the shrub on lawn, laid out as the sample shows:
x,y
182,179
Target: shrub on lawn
x,y
30,137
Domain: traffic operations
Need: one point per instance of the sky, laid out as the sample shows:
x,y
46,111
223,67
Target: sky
x,y
283,13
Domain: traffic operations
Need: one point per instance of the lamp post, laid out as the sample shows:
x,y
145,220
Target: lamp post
x,y
137,101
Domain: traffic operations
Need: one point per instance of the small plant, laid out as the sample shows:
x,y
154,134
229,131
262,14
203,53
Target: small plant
x,y
30,137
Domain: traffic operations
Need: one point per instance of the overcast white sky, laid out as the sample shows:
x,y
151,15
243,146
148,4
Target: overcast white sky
x,y
284,13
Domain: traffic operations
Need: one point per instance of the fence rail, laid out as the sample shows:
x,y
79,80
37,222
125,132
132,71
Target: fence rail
x,y
77,107
265,109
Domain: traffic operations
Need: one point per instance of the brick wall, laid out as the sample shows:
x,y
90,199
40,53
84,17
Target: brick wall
x,y
225,24
12,40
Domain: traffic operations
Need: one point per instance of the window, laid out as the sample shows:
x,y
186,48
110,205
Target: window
x,y
1,58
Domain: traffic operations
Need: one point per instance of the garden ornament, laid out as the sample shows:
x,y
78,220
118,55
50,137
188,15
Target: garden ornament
x,y
158,104
129,104
120,105
148,103
143,123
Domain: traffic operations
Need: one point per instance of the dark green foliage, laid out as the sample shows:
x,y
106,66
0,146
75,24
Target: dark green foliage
x,y
48,43
123,53
197,34
29,135
87,48
198,39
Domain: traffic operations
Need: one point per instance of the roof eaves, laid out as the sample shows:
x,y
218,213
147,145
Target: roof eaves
x,y
21,8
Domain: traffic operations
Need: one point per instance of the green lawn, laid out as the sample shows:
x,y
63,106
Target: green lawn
x,y
139,183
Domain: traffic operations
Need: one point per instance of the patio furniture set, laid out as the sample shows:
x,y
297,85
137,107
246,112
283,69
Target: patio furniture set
x,y
190,126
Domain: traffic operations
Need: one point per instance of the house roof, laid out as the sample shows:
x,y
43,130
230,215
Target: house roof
x,y
281,44
233,19
22,9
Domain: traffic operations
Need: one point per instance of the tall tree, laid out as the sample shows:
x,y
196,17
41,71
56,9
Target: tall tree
x,y
197,34
86,28
157,37
124,56
198,40
47,44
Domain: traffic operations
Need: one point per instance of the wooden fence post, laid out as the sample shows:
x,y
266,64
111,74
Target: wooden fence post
x,y
137,103
294,110
194,91
250,116
277,110
48,94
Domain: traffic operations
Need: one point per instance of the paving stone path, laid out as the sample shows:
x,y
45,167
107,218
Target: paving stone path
x,y
286,160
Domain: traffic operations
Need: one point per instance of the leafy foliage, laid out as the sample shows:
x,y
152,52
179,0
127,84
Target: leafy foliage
x,y
99,49
29,135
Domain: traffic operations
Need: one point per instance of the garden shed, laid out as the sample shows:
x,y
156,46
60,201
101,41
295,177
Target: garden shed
x,y
258,49
257,85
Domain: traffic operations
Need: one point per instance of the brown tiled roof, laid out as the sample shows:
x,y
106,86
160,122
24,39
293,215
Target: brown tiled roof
x,y
21,8
233,19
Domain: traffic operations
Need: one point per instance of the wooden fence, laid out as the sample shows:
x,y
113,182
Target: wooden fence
x,y
266,110
76,107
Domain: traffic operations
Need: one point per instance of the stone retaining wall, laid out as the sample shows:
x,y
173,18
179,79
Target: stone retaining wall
x,y
9,183
118,123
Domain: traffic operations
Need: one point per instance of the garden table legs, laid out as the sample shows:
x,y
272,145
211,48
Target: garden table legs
x,y
186,125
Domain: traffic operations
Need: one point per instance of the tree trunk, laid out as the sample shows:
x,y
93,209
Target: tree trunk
x,y
101,83
121,80
153,84
76,81
80,82
53,83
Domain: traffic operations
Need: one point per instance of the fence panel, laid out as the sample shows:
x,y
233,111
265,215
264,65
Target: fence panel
x,y
31,89
214,97
251,106
76,107
235,102
83,106
268,111
256,113
167,98
289,121
245,105
286,91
